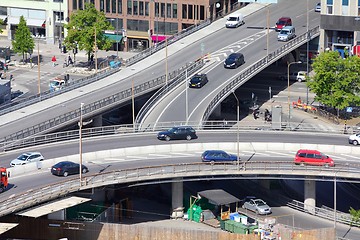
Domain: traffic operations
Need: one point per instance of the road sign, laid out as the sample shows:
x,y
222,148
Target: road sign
x,y
349,109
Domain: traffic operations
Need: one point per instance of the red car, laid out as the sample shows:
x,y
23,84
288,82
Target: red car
x,y
283,22
313,157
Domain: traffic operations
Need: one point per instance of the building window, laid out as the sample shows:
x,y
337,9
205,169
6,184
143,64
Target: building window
x,y
129,7
175,10
168,10
101,5
156,9
162,10
202,12
190,15
135,8
345,7
119,6
74,4
329,6
147,8
184,11
358,7
137,25
107,6
141,8
92,1
113,6
80,4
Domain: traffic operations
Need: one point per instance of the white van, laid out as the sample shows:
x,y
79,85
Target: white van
x,y
235,20
286,33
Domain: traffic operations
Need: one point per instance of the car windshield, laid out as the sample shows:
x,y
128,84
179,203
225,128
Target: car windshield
x,y
260,202
232,57
232,18
171,130
196,79
281,23
22,157
284,32
54,83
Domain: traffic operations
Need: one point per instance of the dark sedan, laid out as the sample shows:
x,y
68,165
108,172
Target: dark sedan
x,y
178,133
217,156
67,168
198,80
234,60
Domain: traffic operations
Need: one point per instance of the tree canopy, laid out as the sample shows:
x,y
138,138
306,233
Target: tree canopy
x,y
81,30
355,216
336,81
23,42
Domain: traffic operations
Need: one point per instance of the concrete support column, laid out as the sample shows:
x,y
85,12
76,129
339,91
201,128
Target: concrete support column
x,y
310,195
217,111
97,121
177,189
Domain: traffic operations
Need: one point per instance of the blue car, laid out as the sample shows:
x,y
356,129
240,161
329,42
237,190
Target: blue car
x,y
217,156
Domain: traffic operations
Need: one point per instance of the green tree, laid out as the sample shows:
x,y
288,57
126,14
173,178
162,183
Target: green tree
x,y
336,81
23,42
1,23
82,27
355,216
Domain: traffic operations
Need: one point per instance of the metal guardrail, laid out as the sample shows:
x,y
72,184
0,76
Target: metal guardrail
x,y
324,212
188,70
129,129
17,202
258,66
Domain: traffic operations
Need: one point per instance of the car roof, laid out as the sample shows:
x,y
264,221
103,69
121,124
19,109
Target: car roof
x,y
308,151
31,153
284,18
214,151
287,28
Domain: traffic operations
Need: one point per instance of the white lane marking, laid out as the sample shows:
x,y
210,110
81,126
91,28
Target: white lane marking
x,y
159,155
136,157
350,156
185,154
281,154
258,153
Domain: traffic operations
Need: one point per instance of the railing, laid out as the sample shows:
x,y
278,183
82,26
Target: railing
x,y
258,66
188,70
164,173
228,126
324,212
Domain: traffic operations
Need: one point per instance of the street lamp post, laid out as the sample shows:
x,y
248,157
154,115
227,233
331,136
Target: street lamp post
x,y
80,141
288,77
307,49
238,128
38,58
186,97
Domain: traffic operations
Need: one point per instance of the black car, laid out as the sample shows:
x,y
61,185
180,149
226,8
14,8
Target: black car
x,y
234,60
198,80
182,133
66,168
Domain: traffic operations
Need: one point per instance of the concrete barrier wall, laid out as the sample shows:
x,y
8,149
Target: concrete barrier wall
x,y
183,147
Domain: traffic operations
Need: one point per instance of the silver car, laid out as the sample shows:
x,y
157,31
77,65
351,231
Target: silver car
x,y
27,158
258,206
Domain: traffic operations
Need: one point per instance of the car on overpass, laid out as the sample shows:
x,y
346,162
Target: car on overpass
x,y
218,156
66,168
27,158
178,133
198,81
234,60
313,157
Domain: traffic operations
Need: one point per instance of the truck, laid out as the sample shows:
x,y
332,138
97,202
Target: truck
x,y
56,84
3,179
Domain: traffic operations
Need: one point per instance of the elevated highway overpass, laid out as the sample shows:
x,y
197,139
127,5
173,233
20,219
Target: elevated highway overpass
x,y
98,97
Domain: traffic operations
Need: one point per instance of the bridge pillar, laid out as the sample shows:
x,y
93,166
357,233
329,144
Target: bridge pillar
x,y
310,195
177,189
97,121
217,111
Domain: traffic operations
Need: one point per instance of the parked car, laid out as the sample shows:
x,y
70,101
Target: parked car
x,y
258,206
178,133
217,156
198,80
299,76
313,157
283,22
27,158
354,139
234,60
318,7
66,168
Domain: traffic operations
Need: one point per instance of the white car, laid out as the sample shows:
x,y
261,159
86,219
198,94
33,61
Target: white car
x,y
318,7
27,158
354,139
258,206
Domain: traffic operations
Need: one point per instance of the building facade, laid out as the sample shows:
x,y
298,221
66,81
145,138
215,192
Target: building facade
x,y
340,25
143,22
